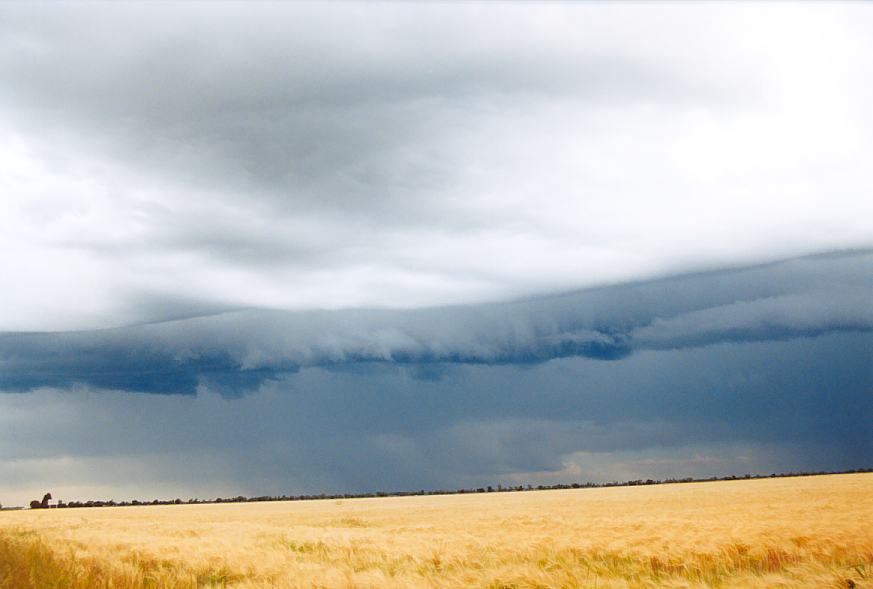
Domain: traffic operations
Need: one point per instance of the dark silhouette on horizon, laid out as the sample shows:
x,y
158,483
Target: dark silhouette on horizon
x,y
489,489
44,504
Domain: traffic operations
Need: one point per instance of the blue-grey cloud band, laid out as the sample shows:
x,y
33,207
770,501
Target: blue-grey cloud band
x,y
237,351
727,408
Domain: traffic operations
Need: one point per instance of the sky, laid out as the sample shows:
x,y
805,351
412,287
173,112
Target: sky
x,y
343,247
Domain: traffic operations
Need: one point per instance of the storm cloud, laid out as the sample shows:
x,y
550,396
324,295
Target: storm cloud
x,y
757,369
328,247
239,350
729,408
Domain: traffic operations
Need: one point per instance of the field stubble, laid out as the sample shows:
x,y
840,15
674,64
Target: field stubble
x,y
792,532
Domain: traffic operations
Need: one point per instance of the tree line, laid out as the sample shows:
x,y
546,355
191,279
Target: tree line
x,y
44,504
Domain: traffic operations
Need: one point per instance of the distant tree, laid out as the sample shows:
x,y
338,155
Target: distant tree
x,y
41,504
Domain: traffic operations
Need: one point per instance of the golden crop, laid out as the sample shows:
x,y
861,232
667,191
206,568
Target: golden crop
x,y
794,532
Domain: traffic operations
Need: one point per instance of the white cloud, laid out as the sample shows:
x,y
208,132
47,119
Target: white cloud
x,y
405,156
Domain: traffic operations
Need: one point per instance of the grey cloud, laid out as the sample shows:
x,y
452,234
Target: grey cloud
x,y
237,351
302,156
306,120
792,404
209,180
300,109
769,318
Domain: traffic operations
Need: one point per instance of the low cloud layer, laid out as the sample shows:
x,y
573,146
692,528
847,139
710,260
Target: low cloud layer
x,y
760,369
727,408
237,351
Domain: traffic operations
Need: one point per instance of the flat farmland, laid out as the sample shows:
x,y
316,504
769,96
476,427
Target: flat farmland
x,y
781,532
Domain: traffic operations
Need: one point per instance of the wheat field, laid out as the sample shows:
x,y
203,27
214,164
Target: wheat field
x,y
789,532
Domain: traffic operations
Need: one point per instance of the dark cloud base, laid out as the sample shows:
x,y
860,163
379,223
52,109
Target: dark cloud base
x,y
727,408
237,352
761,369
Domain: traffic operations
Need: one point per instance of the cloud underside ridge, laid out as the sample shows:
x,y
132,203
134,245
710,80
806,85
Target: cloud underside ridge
x,y
237,351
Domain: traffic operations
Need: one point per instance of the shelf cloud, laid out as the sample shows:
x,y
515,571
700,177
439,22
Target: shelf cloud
x,y
330,247
239,350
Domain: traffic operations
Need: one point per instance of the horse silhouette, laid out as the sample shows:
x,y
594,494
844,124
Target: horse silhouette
x,y
41,504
